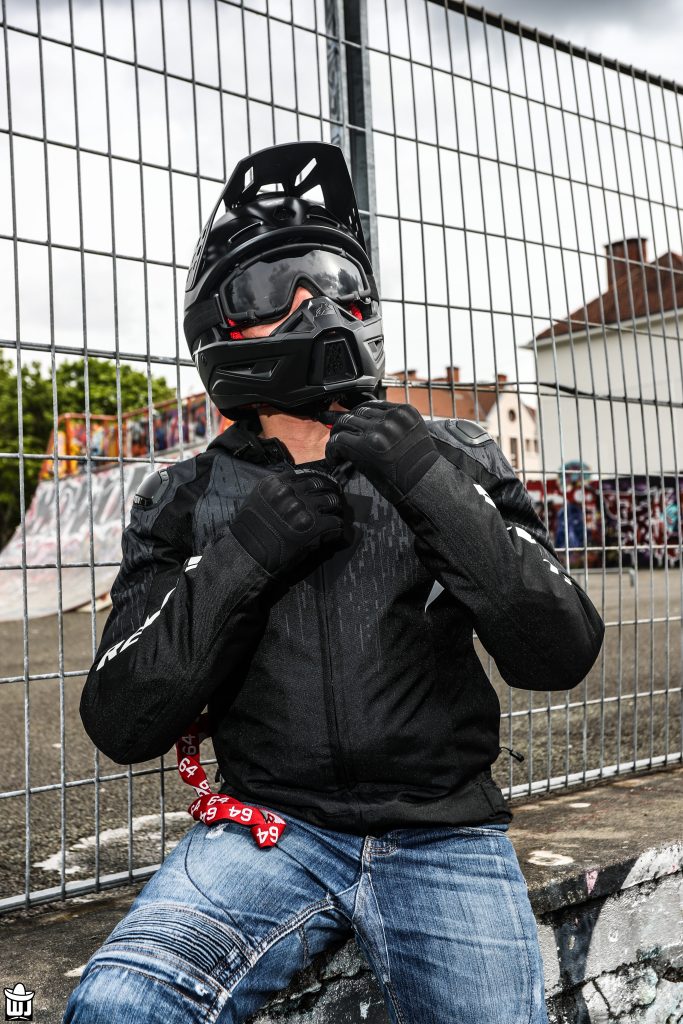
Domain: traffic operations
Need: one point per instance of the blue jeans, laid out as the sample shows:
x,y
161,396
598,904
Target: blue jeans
x,y
442,916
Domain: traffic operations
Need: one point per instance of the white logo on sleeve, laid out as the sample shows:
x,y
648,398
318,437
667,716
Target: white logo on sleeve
x,y
122,645
521,532
485,494
553,568
134,637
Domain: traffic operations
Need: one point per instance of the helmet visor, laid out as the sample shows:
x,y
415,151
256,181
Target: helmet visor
x,y
263,289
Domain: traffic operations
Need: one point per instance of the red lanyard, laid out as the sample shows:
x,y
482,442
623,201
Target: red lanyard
x,y
209,807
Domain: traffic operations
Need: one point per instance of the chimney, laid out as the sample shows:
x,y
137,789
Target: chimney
x,y
624,257
453,374
502,377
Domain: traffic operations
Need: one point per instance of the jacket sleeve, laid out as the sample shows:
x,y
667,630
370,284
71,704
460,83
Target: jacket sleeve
x,y
181,624
477,532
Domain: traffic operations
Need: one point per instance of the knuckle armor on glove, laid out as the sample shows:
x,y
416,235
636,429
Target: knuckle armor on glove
x,y
389,443
290,516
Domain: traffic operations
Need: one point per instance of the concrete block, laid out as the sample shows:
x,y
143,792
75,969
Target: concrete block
x,y
627,990
344,1001
346,962
601,936
667,1007
596,1008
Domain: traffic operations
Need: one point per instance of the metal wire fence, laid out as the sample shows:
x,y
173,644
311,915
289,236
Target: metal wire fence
x,y
521,199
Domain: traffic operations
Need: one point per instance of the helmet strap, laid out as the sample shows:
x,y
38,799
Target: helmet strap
x,y
250,420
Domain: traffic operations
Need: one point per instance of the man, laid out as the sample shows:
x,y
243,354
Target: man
x,y
317,589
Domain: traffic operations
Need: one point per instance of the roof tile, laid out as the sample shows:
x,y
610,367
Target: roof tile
x,y
643,297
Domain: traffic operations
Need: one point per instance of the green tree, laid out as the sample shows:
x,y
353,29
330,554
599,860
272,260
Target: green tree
x,y
102,387
37,416
36,421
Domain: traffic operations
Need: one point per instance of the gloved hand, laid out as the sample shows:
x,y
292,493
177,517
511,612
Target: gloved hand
x,y
291,521
389,443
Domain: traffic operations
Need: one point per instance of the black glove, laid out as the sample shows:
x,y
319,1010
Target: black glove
x,y
291,520
389,443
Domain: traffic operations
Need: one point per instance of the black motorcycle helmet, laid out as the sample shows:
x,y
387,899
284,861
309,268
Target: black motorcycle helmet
x,y
245,270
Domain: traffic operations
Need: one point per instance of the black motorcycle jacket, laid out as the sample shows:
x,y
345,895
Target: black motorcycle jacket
x,y
353,699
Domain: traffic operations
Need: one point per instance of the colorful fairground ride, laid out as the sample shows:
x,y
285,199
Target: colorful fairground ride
x,y
129,436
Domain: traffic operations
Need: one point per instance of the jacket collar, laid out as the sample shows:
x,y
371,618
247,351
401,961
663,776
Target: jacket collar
x,y
243,443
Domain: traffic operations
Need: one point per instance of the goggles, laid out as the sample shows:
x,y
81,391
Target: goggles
x,y
262,289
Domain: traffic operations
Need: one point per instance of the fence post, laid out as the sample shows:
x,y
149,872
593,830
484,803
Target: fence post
x,y
350,103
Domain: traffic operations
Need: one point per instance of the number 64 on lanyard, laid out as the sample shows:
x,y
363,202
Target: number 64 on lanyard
x,y
209,807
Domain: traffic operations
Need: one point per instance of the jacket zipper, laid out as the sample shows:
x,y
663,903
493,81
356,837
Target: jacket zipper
x,y
338,751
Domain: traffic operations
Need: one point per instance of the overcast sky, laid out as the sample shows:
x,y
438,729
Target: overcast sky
x,y
530,226
647,35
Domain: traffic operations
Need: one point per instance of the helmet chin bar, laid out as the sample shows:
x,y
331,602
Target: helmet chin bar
x,y
320,353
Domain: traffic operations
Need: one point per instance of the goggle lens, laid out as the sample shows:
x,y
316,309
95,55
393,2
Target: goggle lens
x,y
263,290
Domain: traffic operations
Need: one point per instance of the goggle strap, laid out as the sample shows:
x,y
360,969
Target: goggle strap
x,y
198,254
202,316
357,296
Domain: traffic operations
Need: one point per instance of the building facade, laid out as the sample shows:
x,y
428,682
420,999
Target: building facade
x,y
611,375
496,405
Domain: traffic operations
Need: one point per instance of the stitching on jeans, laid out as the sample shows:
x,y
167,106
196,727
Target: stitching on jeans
x,y
359,900
342,891
340,909
394,1002
240,939
191,970
365,858
384,936
291,925
235,936
274,937
526,941
235,977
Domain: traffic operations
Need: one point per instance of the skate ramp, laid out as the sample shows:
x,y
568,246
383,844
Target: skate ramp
x,y
69,535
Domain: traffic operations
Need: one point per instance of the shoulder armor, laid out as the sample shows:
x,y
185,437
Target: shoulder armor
x,y
152,488
468,431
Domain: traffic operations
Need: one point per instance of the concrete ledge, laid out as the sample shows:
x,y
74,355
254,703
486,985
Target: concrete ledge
x,y
603,865
583,844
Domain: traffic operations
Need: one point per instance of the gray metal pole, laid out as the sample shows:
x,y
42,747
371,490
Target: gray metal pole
x,y
336,75
350,102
